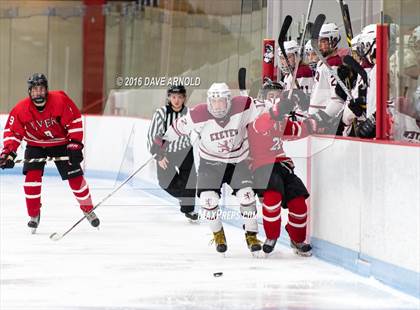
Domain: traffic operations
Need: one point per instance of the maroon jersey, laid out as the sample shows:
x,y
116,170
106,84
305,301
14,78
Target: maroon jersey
x,y
59,122
266,139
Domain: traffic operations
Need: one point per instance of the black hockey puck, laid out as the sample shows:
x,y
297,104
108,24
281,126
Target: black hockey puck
x,y
217,274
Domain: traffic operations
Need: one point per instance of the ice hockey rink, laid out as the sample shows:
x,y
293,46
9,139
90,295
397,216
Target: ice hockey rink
x,y
146,255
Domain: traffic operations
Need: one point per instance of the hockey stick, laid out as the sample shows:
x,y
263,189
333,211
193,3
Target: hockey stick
x,y
319,21
56,236
41,160
282,37
242,82
346,21
302,44
351,62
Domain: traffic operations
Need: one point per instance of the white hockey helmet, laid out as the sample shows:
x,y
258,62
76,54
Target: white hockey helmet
x,y
290,47
310,59
331,32
308,47
366,46
215,92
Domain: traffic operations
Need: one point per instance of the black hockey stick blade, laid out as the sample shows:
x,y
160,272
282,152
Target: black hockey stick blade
x,y
242,78
347,15
316,28
351,62
309,27
284,29
282,37
346,21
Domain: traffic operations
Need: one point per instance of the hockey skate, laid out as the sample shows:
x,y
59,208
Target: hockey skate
x,y
220,241
92,218
34,222
254,245
269,245
192,216
301,248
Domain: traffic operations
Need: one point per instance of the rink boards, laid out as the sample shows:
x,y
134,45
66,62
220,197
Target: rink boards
x,y
364,205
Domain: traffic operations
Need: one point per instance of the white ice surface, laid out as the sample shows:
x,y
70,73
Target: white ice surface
x,y
147,256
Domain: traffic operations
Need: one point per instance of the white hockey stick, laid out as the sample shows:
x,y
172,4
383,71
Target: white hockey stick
x,y
302,45
56,236
41,160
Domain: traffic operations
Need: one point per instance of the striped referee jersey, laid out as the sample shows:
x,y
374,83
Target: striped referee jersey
x,y
161,121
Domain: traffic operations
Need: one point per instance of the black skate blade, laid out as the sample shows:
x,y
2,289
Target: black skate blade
x,y
33,231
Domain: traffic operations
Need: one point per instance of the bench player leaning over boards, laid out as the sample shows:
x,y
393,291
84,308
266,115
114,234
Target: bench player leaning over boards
x,y
51,124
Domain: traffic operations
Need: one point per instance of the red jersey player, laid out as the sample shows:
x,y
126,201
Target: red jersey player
x,y
51,124
274,178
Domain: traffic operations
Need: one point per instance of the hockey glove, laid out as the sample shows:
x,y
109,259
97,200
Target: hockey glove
x,y
158,148
310,125
367,129
357,106
348,76
301,99
281,108
315,123
7,159
74,152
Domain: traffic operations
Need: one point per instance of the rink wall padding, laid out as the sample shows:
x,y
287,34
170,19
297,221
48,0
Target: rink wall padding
x,y
364,204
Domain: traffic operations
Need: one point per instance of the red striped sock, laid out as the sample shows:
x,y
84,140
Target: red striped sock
x,y
296,227
81,192
271,210
32,188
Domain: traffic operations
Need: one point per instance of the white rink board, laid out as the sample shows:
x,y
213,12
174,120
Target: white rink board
x,y
353,201
366,197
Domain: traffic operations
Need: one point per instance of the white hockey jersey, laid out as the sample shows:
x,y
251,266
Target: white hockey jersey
x,y
371,93
323,95
224,140
304,77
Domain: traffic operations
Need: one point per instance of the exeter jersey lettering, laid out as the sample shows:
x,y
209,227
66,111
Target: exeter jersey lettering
x,y
224,139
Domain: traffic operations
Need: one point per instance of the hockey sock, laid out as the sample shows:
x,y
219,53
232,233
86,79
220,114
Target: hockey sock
x,y
213,218
81,192
296,227
32,188
271,210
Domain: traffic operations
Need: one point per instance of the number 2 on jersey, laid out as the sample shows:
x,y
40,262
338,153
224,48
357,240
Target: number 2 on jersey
x,y
277,143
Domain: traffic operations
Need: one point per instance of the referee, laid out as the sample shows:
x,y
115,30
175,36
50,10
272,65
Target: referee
x,y
175,160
